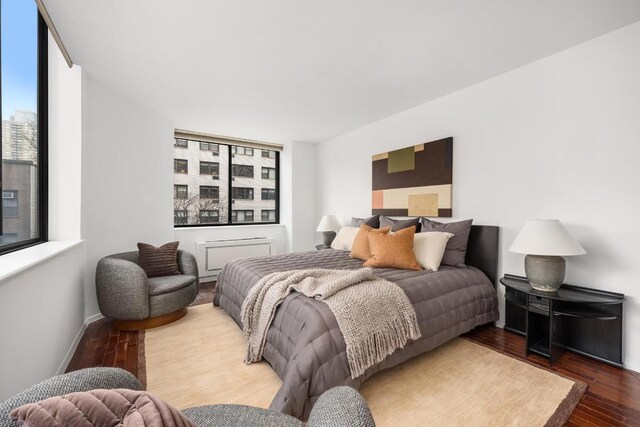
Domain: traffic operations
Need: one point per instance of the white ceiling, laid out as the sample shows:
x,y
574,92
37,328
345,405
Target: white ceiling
x,y
296,70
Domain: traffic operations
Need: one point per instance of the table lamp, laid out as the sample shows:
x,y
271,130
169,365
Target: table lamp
x,y
545,242
329,224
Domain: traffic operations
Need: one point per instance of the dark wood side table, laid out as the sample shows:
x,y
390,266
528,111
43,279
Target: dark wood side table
x,y
583,320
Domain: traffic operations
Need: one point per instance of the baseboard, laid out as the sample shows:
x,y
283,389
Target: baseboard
x,y
76,341
631,366
500,324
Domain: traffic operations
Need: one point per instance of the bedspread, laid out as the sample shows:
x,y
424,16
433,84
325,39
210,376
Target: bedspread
x,y
304,345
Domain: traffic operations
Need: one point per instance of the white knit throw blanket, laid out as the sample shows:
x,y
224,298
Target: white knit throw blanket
x,y
373,314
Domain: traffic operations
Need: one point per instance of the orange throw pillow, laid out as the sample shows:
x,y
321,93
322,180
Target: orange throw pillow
x,y
393,250
360,248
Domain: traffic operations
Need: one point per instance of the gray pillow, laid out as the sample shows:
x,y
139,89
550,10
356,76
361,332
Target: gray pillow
x,y
372,221
456,249
399,224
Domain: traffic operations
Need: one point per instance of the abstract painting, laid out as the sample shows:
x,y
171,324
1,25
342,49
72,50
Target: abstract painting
x,y
414,181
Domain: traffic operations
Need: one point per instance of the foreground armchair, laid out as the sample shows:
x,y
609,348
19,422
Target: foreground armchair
x,y
134,301
338,407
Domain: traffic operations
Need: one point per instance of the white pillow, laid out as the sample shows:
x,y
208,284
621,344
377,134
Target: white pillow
x,y
429,248
344,239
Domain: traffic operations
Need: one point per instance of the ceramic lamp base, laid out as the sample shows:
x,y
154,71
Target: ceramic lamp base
x,y
327,237
545,273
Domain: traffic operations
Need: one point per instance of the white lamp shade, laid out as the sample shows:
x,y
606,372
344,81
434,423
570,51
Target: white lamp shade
x,y
545,237
329,223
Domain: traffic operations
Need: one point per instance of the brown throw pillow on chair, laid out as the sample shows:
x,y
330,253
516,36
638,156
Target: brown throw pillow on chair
x,y
393,250
162,261
360,248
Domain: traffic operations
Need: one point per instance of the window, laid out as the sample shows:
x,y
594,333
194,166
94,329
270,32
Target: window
x,y
180,191
23,109
210,216
181,143
210,146
181,216
10,203
242,193
242,170
209,192
268,216
268,194
224,190
268,173
242,216
180,166
210,168
242,150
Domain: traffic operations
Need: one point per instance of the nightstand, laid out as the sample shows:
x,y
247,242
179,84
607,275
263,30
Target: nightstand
x,y
583,320
320,247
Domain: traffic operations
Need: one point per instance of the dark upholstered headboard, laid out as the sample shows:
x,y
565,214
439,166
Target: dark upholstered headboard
x,y
482,250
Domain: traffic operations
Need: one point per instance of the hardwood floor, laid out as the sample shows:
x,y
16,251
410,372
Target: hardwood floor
x,y
612,398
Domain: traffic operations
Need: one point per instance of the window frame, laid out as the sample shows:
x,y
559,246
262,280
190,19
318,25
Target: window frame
x,y
230,206
42,97
209,188
209,164
175,166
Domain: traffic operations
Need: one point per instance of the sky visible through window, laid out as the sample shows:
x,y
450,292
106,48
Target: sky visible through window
x,y
19,56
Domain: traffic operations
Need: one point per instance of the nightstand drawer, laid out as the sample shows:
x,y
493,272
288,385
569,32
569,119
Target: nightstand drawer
x,y
539,305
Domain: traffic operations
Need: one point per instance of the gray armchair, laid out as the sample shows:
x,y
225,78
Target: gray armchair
x,y
338,407
134,301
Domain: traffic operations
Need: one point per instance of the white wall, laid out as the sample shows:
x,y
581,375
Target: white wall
x,y
42,308
304,218
558,138
127,179
65,146
41,312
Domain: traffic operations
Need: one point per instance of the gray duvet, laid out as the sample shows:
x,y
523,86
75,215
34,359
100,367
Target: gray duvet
x,y
304,344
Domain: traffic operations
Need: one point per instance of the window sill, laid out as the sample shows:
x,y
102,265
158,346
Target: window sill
x,y
19,261
225,227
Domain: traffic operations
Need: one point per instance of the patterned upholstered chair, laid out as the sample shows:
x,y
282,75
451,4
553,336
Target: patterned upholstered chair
x,y
338,407
134,301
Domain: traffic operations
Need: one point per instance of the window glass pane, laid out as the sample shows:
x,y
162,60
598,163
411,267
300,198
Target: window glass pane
x,y
180,166
19,87
224,189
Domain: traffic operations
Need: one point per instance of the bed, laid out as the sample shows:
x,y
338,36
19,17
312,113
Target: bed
x,y
304,345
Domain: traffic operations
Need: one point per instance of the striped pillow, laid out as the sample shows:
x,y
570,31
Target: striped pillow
x,y
156,262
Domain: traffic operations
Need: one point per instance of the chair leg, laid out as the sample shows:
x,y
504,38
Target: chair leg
x,y
151,322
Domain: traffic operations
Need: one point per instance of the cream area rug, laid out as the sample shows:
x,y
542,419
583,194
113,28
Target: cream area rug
x,y
198,360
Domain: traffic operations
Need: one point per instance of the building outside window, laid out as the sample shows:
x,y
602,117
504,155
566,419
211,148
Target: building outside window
x,y
10,203
268,173
268,194
210,146
246,151
181,216
242,216
242,193
209,192
211,216
218,186
268,216
180,166
210,168
23,110
182,143
242,170
180,191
